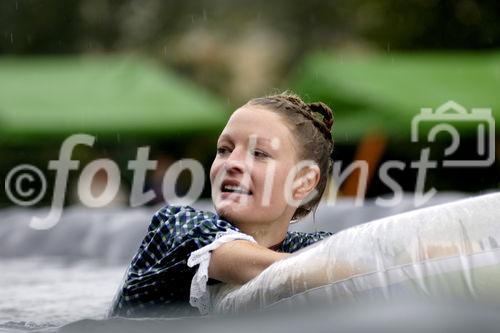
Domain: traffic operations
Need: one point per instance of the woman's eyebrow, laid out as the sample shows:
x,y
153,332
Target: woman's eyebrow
x,y
224,137
266,142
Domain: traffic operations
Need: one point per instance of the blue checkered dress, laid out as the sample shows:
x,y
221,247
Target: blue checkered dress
x,y
158,280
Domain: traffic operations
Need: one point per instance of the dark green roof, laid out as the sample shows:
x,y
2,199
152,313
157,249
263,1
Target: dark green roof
x,y
105,95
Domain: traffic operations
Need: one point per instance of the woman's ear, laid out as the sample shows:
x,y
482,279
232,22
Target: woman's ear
x,y
305,182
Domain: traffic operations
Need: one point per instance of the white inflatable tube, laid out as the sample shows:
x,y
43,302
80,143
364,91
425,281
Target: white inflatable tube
x,y
450,250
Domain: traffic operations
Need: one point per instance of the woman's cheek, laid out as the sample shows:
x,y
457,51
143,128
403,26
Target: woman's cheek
x,y
271,199
214,171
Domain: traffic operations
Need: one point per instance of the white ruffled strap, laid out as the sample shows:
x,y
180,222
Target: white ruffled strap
x,y
200,295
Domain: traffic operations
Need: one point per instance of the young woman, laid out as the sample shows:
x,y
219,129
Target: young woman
x,y
272,165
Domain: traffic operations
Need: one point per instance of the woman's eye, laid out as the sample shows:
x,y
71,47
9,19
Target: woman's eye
x,y
260,154
222,150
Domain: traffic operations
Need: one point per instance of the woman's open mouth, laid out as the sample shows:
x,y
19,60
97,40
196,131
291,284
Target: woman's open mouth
x,y
230,187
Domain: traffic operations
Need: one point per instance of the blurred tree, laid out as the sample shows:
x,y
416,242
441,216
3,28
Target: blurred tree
x,y
39,27
237,48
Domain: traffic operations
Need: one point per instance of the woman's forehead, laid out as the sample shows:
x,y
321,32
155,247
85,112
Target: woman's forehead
x,y
263,127
256,121
269,140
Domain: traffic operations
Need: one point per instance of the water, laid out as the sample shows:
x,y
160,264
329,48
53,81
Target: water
x,y
50,292
49,278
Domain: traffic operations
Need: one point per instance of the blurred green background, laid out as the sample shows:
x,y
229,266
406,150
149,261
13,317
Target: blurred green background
x,y
167,74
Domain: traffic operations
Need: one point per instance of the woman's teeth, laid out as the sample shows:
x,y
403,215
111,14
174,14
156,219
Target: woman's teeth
x,y
237,189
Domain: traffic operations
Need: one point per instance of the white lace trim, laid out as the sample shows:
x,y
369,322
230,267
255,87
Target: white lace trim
x,y
200,294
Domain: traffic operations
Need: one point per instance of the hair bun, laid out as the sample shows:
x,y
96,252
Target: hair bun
x,y
325,111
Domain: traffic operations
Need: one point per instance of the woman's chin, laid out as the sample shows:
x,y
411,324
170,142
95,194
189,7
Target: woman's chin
x,y
232,210
229,214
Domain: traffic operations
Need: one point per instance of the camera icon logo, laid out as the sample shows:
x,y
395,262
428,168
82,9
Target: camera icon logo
x,y
449,117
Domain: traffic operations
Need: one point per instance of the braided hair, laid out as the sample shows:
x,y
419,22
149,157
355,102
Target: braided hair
x,y
311,125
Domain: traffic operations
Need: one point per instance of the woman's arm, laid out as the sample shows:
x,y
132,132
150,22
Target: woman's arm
x,y
240,261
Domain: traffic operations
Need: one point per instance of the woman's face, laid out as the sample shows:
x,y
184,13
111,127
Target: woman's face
x,y
255,153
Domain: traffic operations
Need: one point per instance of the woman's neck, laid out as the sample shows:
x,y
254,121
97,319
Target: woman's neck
x,y
266,234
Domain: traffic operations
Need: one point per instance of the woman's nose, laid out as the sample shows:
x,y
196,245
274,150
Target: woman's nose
x,y
235,163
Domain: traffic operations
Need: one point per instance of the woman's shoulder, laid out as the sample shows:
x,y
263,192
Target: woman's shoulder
x,y
182,214
169,211
185,218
